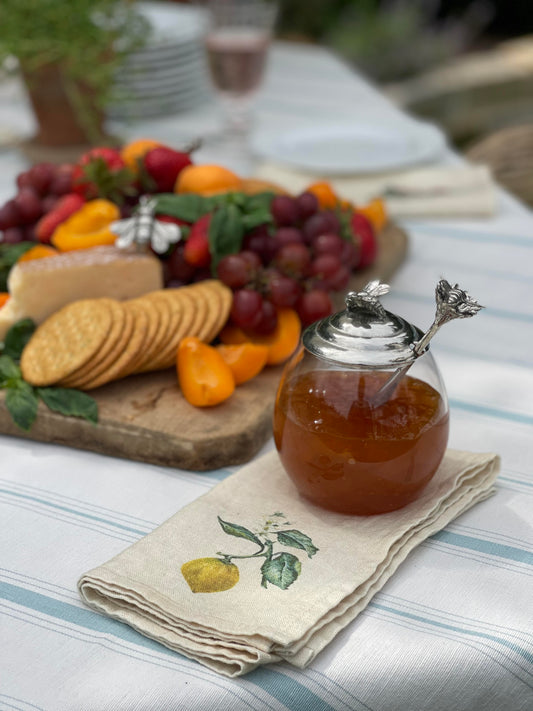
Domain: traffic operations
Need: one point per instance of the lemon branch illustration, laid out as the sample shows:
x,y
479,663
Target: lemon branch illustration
x,y
279,568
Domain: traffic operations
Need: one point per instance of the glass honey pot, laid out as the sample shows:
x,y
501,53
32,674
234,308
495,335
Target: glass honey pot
x,y
361,417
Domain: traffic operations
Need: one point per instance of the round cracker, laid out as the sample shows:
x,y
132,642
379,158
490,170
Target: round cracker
x,y
121,366
154,348
152,324
200,299
188,305
176,315
115,333
226,301
66,341
109,363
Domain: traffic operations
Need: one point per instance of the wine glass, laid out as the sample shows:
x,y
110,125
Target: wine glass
x,y
237,44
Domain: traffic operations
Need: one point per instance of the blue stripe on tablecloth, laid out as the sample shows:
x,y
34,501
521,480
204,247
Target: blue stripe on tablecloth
x,y
20,701
73,511
524,653
288,691
491,411
469,235
482,546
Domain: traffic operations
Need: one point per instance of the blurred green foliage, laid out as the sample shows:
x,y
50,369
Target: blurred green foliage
x,y
388,39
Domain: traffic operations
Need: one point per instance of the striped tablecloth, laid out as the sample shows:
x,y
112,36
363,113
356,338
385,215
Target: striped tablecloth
x,y
451,631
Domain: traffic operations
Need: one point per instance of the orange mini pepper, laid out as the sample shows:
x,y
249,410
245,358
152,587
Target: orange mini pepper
x,y
281,343
205,378
324,193
87,227
40,251
4,296
245,360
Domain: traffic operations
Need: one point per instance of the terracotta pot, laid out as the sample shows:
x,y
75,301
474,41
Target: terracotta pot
x,y
60,122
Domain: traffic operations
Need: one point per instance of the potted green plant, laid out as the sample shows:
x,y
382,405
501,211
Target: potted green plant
x,y
68,53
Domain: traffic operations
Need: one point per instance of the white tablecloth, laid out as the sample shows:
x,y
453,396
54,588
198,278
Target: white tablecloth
x,y
453,629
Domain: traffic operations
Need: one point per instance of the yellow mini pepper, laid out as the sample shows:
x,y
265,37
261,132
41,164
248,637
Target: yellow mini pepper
x,y
88,227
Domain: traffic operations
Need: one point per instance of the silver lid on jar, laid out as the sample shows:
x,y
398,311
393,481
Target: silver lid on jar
x,y
364,334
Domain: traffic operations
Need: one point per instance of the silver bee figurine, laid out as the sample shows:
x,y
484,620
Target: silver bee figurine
x,y
143,229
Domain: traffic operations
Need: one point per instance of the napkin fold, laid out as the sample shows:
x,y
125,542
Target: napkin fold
x,y
440,191
251,573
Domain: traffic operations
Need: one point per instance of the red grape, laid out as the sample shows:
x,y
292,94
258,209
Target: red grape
x,y
284,210
282,290
41,176
177,267
314,305
246,309
333,221
252,259
339,280
23,180
61,183
350,254
13,235
49,202
9,215
325,265
293,259
234,270
287,235
201,274
29,205
175,283
318,224
260,242
307,204
268,321
328,243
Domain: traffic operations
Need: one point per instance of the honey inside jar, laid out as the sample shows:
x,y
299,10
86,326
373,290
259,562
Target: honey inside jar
x,y
348,455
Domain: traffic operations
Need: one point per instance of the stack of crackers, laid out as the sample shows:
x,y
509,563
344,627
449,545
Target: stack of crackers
x,y
91,342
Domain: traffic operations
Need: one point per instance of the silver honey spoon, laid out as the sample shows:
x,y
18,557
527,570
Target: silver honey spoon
x,y
452,302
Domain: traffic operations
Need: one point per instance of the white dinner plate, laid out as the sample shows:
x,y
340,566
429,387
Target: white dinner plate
x,y
345,149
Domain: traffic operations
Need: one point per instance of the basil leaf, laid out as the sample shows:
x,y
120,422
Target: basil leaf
x,y
259,201
281,571
22,402
226,233
9,254
297,539
8,369
17,337
233,529
186,207
256,218
70,402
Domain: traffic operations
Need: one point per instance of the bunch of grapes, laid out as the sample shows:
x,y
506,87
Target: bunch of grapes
x,y
294,265
39,188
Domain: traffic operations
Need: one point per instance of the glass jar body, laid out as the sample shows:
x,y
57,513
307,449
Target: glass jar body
x,y
347,454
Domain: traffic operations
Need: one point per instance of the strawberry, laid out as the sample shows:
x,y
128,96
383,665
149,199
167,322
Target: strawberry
x,y
196,251
64,208
164,165
102,173
365,237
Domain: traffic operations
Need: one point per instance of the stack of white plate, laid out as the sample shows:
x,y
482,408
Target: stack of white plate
x,y
169,74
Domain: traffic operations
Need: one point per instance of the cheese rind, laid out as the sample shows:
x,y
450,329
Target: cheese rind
x,y
40,287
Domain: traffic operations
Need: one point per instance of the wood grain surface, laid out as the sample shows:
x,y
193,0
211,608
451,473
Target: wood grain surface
x,y
145,418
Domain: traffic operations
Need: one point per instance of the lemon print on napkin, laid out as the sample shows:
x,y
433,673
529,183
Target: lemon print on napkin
x,y
280,568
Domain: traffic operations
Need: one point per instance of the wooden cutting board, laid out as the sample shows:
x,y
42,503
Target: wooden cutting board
x,y
145,418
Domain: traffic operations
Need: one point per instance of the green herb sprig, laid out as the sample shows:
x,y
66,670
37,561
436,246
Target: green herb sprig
x,y
234,214
22,399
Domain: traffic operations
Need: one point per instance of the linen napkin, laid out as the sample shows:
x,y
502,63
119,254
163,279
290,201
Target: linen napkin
x,y
251,573
439,191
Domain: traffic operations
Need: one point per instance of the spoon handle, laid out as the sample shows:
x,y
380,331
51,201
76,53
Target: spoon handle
x,y
452,302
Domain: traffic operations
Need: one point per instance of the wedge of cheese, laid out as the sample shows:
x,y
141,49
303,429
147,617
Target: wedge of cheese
x,y
40,287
